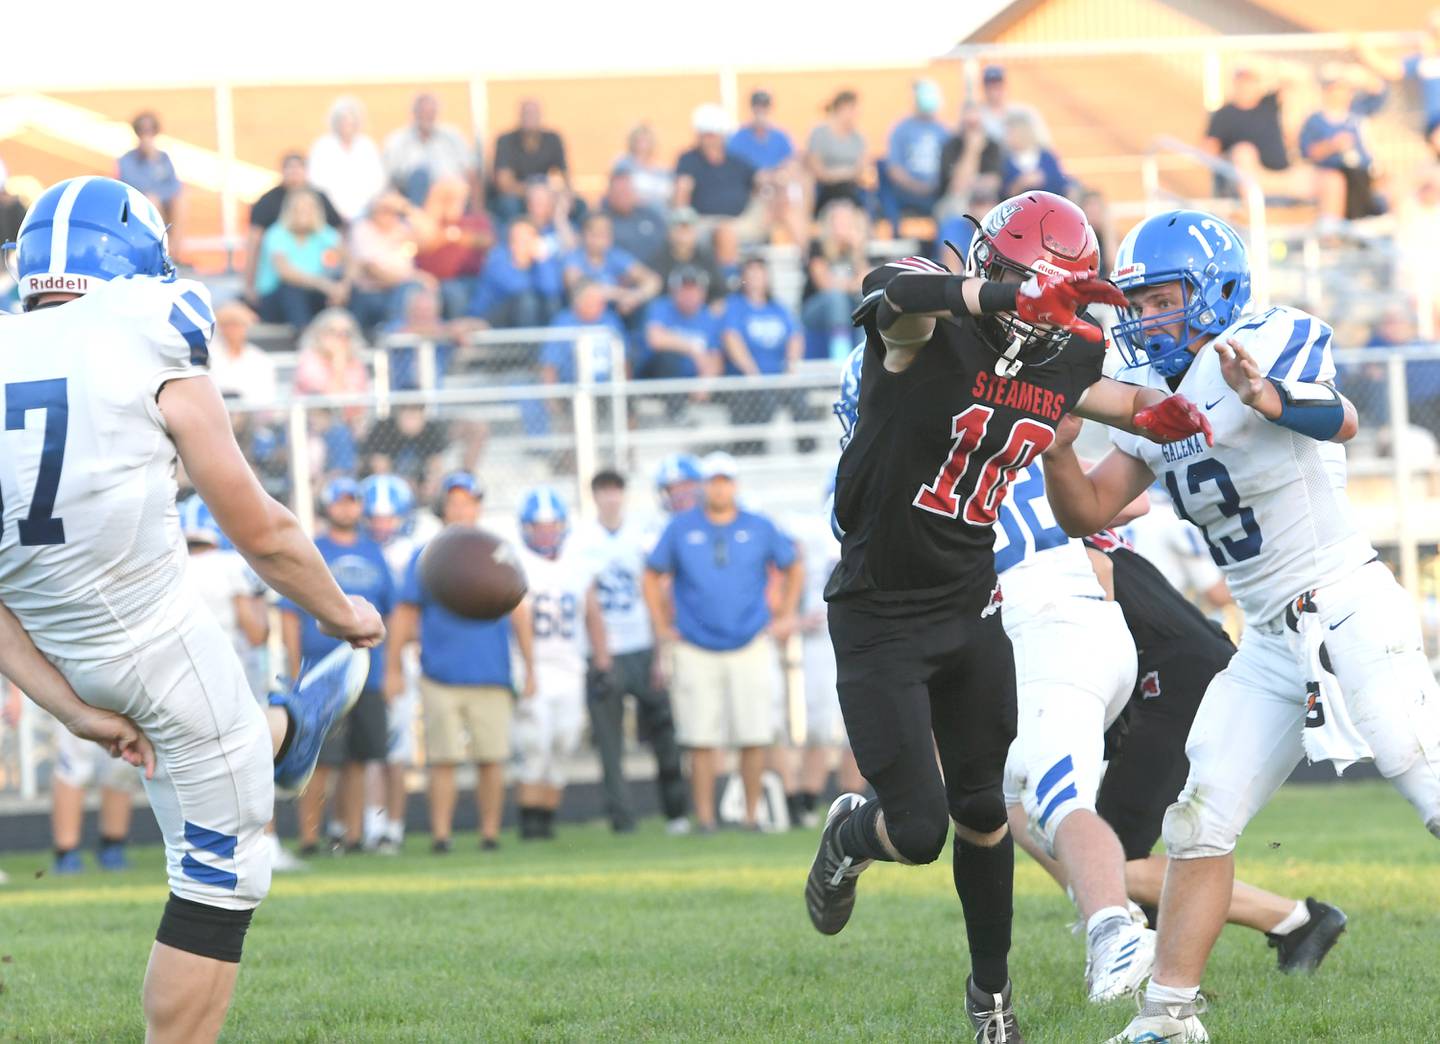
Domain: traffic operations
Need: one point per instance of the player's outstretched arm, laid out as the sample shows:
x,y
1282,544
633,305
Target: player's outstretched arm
x,y
37,677
1087,501
1147,412
262,529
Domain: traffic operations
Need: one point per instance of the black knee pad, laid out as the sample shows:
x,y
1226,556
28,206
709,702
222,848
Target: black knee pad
x,y
918,834
980,811
207,931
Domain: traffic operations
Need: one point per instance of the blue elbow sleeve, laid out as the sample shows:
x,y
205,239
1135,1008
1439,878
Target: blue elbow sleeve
x,y
1310,409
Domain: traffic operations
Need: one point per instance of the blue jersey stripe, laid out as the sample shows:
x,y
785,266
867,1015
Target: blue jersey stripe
x,y
194,336
210,875
1316,358
1060,797
202,309
1298,337
1057,772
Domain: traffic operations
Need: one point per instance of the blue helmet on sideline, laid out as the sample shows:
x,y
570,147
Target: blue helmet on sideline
x,y
1207,258
389,503
847,407
198,525
678,482
86,231
544,521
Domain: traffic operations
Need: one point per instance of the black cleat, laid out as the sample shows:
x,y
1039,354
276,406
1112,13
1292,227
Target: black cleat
x,y
991,1015
1303,949
440,846
830,888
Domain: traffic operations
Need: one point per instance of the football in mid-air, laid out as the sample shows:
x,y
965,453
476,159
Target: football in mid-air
x,y
472,573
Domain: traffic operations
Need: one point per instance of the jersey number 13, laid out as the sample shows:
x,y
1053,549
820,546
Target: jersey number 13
x,y
39,526
942,495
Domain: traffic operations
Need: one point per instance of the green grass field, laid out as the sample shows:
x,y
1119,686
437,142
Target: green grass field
x,y
599,938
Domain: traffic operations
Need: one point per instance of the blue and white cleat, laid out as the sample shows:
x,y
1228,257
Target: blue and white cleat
x,y
323,695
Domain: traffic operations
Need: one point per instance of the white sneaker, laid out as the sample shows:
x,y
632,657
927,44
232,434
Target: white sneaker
x,y
678,827
1120,963
1165,1024
282,860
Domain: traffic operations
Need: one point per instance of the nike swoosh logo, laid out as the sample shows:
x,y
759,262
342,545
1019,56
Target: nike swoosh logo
x,y
1338,623
1217,402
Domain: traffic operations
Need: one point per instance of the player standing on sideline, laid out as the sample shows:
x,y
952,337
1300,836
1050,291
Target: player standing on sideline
x,y
1330,665
389,507
615,549
562,611
965,378
106,370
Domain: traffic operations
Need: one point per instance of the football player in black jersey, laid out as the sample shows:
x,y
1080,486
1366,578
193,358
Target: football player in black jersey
x,y
964,381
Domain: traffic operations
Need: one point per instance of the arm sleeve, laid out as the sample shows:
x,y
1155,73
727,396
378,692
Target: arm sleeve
x,y
662,556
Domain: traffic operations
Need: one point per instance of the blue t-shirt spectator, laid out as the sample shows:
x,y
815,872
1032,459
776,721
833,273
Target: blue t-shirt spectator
x,y
154,176
763,152
1319,127
360,569
1426,70
502,284
721,189
454,650
663,312
720,575
915,147
610,271
561,354
318,254
765,328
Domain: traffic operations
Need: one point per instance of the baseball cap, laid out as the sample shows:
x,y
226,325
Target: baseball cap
x,y
993,74
344,486
689,275
463,480
760,98
719,465
710,119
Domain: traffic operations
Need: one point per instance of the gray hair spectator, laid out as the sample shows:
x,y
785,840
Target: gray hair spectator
x,y
613,547
835,153
995,107
1333,139
148,169
266,211
639,228
835,268
715,625
719,186
239,369
301,266
420,153
526,154
345,162
627,282
654,182
466,686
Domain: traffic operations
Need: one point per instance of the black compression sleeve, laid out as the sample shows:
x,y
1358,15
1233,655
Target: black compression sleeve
x,y
921,293
997,297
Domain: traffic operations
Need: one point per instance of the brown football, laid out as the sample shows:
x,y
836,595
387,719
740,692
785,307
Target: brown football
x,y
472,573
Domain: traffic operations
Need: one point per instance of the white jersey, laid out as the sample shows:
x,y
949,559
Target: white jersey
x,y
1173,546
617,561
557,589
1270,503
91,556
1036,561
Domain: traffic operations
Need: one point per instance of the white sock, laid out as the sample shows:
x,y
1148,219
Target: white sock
x,y
1296,918
1100,923
1160,996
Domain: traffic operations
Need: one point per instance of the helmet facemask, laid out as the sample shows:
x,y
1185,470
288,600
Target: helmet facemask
x,y
1019,343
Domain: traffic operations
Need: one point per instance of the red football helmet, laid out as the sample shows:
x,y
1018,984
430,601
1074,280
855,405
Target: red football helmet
x,y
1032,233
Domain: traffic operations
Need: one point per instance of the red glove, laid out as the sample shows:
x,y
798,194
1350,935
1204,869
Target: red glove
x,y
1174,418
1056,300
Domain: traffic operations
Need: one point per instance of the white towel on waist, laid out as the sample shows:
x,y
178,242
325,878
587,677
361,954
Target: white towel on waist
x,y
1329,734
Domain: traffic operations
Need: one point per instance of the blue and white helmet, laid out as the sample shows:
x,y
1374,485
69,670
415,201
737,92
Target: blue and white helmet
x,y
544,521
86,231
682,470
847,407
198,525
1202,253
388,502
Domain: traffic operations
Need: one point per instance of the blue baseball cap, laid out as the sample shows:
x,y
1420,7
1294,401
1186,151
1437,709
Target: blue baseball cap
x,y
344,486
463,480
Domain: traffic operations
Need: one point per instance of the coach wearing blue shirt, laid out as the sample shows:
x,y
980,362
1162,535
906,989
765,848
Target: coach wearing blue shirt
x,y
716,624
465,683
359,567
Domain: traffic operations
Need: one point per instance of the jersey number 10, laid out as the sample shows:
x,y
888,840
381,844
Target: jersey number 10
x,y
942,495
40,526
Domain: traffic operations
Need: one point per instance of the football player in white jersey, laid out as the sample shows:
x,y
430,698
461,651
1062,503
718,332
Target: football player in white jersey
x,y
1330,665
615,547
105,386
389,506
562,615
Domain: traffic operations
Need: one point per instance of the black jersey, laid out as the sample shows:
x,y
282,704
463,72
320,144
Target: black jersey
x,y
1156,613
932,454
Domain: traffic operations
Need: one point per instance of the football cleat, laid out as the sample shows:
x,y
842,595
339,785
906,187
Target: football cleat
x,y
1303,949
1165,1024
319,699
1120,962
71,862
112,858
992,1016
830,888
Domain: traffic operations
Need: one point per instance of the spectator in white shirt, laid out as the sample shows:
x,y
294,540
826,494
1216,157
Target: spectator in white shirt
x,y
238,368
345,164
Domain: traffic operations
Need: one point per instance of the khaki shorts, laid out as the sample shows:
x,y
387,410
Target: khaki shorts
x,y
724,699
465,722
